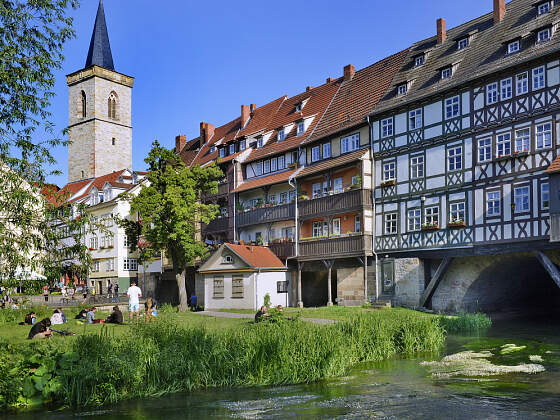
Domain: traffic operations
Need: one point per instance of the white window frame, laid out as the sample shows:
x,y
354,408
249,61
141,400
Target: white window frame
x,y
232,148
357,223
417,167
463,43
543,8
281,162
338,185
491,93
414,220
415,119
222,152
243,144
300,128
431,216
522,83
315,154
387,127
266,166
455,158
110,264
419,60
402,89
493,203
485,149
336,227
523,140
457,212
452,108
317,190
389,171
506,89
539,80
326,150
130,264
273,165
543,136
522,199
545,196
212,149
281,135
503,145
350,143
260,143
446,73
544,35
391,226
514,46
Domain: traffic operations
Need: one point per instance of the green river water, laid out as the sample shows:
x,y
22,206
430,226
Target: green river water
x,y
393,389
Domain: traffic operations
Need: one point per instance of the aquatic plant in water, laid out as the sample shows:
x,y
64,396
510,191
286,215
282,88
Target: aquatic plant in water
x,y
511,348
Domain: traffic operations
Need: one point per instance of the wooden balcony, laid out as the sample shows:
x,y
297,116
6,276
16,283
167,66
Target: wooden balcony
x,y
335,247
266,215
283,250
217,225
336,203
223,189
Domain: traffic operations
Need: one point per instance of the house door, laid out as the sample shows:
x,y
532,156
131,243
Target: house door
x,y
388,276
100,287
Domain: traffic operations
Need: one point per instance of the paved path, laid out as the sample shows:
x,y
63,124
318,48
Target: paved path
x,y
250,316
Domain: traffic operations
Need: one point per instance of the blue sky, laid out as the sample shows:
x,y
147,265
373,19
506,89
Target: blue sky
x,y
199,61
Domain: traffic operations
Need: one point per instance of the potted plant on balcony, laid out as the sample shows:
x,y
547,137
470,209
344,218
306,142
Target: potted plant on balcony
x,y
239,207
388,183
430,226
521,153
111,246
357,185
456,223
260,204
292,165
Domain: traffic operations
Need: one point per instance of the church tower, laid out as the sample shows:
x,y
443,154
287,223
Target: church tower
x,y
100,130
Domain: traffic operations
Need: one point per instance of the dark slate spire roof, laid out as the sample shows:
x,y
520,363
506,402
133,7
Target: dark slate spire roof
x,y
99,53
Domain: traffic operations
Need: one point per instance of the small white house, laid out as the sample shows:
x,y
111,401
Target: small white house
x,y
239,277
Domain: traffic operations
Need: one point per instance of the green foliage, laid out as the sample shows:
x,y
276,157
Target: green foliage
x,y
267,300
465,323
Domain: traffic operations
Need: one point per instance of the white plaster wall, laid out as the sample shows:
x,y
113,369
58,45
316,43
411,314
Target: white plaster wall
x,y
266,283
433,113
227,302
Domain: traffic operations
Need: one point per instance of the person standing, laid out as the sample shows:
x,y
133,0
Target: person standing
x,y
46,292
134,294
116,296
110,290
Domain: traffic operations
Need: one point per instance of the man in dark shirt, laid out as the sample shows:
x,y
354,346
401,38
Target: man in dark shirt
x,y
40,329
116,316
261,314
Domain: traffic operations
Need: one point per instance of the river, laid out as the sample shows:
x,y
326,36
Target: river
x,y
393,389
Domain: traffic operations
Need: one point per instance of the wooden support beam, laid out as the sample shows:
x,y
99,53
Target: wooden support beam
x,y
299,296
434,283
329,264
549,266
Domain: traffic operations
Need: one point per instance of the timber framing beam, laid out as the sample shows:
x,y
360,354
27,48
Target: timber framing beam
x,y
549,266
434,283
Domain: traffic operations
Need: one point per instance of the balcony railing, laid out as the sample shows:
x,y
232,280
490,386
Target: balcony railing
x,y
351,200
223,189
332,247
266,215
217,225
283,250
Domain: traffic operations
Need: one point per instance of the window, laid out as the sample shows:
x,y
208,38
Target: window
x,y
315,154
288,232
266,166
273,165
284,198
259,169
402,89
260,143
521,199
231,149
281,287
522,83
543,8
545,196
357,223
299,107
316,190
350,143
326,150
493,203
452,107
431,216
506,89
457,212
237,287
281,162
95,266
110,264
417,167
414,220
300,128
503,145
415,119
281,135
491,93
222,152
93,242
212,149
544,35
513,47
543,134
389,171
446,73
336,226
242,144
112,106
338,188
522,140
130,264
390,224
355,180
387,127
455,158
127,241
218,292
83,105
227,259
485,150
538,78
320,229
419,60
462,43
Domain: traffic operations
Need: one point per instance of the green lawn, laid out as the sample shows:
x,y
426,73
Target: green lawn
x,y
333,312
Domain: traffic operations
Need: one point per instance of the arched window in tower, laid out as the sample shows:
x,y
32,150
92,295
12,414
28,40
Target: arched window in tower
x,y
82,111
112,106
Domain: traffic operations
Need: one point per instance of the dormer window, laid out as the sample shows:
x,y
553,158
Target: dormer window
x,y
232,148
514,46
446,73
402,89
543,35
281,135
243,144
227,259
419,60
299,107
543,8
108,193
222,152
260,143
101,197
300,128
463,43
212,149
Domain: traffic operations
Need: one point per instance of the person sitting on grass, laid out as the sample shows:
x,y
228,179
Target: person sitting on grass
x,y
91,316
116,317
82,316
40,330
154,309
261,314
56,318
64,319
30,319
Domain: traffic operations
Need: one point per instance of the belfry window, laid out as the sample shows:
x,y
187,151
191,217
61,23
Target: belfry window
x,y
112,106
83,104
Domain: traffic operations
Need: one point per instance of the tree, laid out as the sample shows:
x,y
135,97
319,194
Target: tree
x,y
32,35
170,209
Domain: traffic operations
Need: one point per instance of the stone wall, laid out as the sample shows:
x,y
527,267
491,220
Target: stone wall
x,y
409,281
350,286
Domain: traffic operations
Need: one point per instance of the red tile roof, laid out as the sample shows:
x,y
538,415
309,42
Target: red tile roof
x,y
260,120
266,180
357,97
554,166
256,256
226,132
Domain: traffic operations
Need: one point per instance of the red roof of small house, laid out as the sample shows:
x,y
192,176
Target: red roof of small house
x,y
554,166
256,256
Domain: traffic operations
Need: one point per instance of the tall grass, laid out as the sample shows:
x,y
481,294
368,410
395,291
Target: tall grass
x,y
465,323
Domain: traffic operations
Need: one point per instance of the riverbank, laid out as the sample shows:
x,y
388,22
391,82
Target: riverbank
x,y
184,352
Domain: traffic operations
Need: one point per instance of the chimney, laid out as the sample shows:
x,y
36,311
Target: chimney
x,y
499,10
253,108
245,114
180,142
308,88
349,71
441,32
206,132
330,79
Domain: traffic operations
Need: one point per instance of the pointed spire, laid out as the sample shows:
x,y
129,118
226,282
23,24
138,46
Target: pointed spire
x,y
99,53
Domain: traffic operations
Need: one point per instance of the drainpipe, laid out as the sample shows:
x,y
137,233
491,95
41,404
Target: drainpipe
x,y
293,184
233,161
373,209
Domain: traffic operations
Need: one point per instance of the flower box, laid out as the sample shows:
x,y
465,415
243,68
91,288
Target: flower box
x,y
292,166
389,183
111,246
91,249
456,224
521,154
430,227
503,157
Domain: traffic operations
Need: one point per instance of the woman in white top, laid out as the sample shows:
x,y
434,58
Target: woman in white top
x,y
56,318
